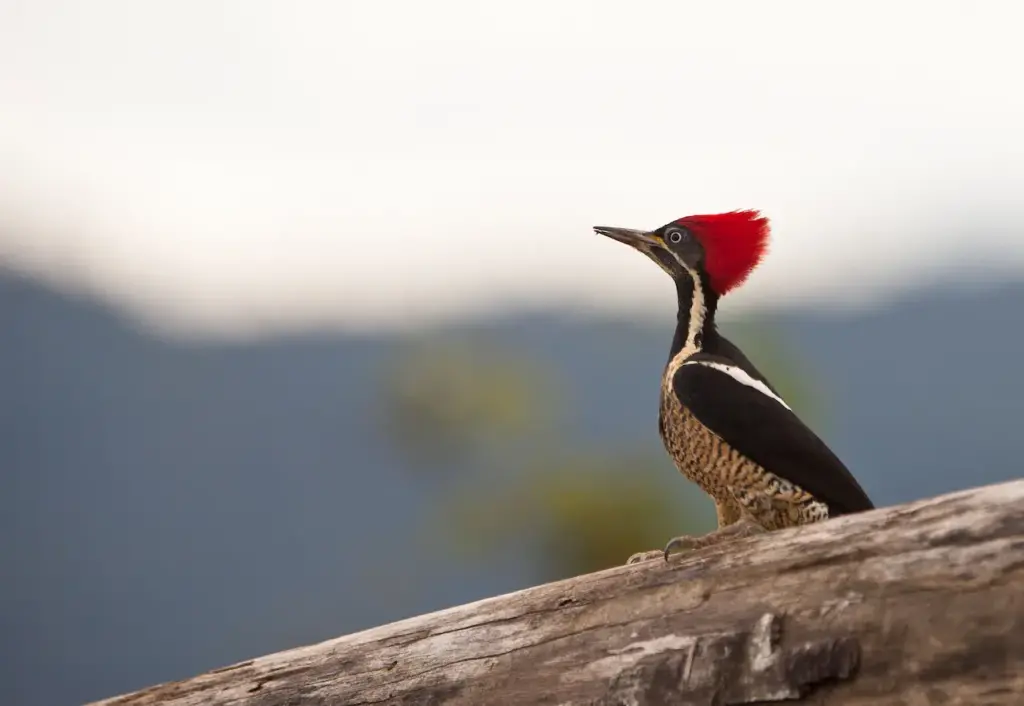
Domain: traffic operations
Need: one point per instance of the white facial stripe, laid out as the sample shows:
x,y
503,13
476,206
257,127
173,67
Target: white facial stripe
x,y
698,312
741,376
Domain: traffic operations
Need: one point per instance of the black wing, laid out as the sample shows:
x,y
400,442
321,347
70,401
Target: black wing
x,y
765,430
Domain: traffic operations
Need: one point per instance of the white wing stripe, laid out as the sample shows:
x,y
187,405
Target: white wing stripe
x,y
741,376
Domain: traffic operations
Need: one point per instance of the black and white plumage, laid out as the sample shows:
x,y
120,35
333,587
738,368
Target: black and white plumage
x,y
753,419
722,422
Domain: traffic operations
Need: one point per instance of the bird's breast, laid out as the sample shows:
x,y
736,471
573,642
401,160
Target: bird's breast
x,y
697,452
728,476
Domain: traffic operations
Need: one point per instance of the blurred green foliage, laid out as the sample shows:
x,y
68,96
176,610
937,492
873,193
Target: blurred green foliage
x,y
445,400
492,419
580,511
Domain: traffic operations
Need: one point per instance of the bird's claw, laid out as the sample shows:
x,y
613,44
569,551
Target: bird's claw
x,y
685,543
680,543
689,543
738,530
643,556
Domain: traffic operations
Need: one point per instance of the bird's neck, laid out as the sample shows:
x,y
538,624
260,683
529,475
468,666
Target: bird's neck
x,y
696,331
695,320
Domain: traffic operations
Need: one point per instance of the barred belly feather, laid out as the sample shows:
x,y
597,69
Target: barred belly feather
x,y
738,486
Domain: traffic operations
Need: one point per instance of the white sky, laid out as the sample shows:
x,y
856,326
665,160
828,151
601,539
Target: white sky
x,y
236,165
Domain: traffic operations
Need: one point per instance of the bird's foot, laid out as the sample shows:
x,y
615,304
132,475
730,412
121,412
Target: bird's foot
x,y
688,543
645,556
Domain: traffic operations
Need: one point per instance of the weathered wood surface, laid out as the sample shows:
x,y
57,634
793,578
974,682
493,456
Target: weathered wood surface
x,y
915,604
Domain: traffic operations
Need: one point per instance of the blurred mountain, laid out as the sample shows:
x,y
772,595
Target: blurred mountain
x,y
170,508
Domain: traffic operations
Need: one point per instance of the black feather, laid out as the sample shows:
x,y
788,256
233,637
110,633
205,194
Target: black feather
x,y
768,433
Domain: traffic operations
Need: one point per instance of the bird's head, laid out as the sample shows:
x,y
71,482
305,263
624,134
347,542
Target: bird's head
x,y
722,249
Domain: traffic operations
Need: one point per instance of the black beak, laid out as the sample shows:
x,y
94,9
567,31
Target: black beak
x,y
650,244
639,239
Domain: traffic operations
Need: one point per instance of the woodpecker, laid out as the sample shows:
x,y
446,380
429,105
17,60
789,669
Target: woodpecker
x,y
724,425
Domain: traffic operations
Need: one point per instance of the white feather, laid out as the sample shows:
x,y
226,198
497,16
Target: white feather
x,y
741,376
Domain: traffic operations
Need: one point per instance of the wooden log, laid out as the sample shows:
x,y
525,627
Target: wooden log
x,y
914,604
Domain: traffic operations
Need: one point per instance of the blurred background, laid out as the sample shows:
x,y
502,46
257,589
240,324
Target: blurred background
x,y
305,329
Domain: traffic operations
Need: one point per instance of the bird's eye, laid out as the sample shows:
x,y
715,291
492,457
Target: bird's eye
x,y
675,236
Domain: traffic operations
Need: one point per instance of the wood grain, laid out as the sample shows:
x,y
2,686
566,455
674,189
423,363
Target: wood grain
x,y
914,604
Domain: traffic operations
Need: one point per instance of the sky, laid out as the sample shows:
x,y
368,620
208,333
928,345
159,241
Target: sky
x,y
225,168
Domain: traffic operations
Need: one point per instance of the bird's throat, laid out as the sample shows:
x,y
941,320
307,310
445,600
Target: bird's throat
x,y
695,323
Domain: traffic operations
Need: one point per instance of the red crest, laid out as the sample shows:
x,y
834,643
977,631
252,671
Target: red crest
x,y
733,242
